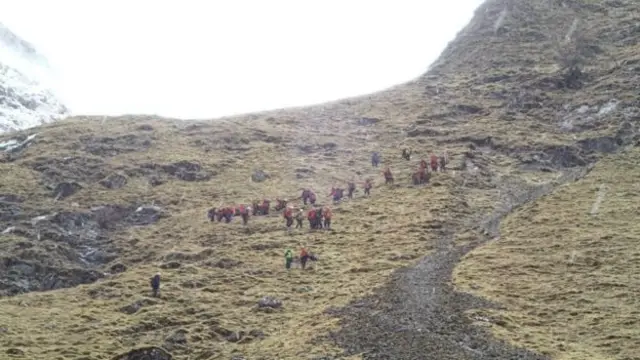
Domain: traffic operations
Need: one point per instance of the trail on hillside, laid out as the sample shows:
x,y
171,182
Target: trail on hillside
x,y
419,315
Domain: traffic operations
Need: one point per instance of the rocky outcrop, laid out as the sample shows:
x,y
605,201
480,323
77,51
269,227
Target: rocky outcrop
x,y
62,249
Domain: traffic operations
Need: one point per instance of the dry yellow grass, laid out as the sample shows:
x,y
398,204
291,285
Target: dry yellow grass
x,y
566,268
355,258
507,77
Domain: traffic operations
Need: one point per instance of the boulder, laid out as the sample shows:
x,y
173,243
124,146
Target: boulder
x,y
114,181
269,304
259,176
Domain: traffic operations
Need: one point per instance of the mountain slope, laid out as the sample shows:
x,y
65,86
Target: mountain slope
x,y
93,207
568,268
24,101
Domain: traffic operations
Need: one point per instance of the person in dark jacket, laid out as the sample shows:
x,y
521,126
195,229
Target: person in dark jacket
x,y
155,285
299,218
375,159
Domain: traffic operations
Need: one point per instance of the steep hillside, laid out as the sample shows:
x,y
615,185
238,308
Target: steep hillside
x,y
24,101
568,268
92,207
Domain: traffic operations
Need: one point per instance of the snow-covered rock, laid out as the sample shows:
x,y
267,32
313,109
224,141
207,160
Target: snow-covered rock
x,y
24,101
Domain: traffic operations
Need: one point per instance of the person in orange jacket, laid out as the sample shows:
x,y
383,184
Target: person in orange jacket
x,y
434,163
304,257
327,218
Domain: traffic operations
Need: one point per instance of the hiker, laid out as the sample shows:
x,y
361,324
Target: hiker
x,y
423,164
261,208
367,187
351,187
336,194
299,218
434,163
443,162
244,213
420,177
288,258
304,257
375,159
388,177
406,154
319,218
288,215
308,195
155,285
226,214
211,214
311,216
327,218
281,204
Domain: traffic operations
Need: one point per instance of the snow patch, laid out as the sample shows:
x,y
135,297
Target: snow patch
x,y
27,98
608,107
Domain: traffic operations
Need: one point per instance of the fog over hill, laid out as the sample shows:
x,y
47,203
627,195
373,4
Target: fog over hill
x,y
26,99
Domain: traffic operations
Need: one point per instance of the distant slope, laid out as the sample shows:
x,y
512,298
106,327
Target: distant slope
x,y
93,206
24,101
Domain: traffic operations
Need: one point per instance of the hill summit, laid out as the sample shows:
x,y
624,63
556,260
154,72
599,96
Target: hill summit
x,y
24,100
521,248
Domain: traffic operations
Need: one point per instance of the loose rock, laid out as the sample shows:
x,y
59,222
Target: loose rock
x,y
66,189
259,176
114,181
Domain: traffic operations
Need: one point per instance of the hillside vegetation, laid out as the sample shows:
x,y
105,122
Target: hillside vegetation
x,y
526,99
565,268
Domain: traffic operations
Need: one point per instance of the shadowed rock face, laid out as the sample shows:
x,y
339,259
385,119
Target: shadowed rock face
x,y
63,249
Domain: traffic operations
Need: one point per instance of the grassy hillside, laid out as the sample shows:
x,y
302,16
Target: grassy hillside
x,y
214,273
565,268
524,100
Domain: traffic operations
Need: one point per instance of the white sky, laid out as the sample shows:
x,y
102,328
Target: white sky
x,y
209,58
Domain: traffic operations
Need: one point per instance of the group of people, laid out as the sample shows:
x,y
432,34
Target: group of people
x,y
305,256
319,217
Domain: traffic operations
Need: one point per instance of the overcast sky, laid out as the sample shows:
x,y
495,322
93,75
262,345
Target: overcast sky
x,y
203,59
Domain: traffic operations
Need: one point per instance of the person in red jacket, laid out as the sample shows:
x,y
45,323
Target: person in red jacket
x,y
288,215
311,216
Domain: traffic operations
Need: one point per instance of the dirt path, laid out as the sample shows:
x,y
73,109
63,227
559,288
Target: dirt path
x,y
419,315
